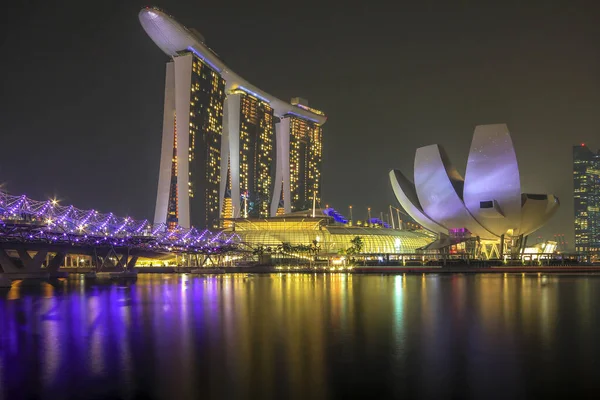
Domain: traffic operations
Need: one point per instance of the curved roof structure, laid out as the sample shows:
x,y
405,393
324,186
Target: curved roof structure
x,y
406,194
332,237
172,38
488,202
493,174
439,188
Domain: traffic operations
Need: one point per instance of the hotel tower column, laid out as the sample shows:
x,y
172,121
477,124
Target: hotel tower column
x,y
282,172
183,81
167,183
230,152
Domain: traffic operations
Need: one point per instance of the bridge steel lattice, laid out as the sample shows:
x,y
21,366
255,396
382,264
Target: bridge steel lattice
x,y
36,236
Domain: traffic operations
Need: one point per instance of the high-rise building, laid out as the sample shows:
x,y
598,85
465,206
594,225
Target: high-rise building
x,y
229,149
192,127
299,157
248,150
586,198
305,163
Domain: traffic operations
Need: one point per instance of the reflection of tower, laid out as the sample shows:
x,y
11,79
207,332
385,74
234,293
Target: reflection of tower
x,y
190,159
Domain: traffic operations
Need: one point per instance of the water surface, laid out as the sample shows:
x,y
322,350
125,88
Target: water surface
x,y
285,336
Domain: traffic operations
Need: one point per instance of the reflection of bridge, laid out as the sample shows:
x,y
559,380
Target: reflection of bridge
x,y
37,236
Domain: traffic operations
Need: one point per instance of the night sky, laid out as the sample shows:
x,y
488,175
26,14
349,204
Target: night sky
x,y
82,90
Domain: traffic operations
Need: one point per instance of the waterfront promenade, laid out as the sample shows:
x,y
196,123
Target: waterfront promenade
x,y
373,269
478,270
7,280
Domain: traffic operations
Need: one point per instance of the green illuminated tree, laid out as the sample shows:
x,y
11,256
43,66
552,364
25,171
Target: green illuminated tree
x,y
356,246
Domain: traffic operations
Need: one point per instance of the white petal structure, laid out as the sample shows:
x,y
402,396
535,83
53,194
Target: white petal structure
x,y
439,188
492,191
536,210
488,202
407,196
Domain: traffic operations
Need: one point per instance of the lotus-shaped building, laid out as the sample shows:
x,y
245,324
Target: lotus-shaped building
x,y
487,202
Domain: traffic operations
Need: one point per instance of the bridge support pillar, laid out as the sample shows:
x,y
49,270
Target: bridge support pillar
x,y
102,260
56,261
122,262
7,264
131,263
27,267
32,264
113,259
96,262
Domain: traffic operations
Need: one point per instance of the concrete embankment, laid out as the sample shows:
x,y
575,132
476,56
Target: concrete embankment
x,y
371,269
477,270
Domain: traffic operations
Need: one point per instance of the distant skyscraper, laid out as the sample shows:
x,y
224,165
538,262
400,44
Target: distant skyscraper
x,y
229,149
586,194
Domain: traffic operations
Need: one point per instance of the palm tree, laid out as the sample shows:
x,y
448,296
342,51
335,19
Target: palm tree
x,y
356,246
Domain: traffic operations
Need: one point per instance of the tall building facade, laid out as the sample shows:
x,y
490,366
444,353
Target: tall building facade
x,y
248,154
586,198
229,149
299,143
191,148
305,163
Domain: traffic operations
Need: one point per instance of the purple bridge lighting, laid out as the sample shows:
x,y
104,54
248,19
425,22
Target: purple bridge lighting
x,y
50,231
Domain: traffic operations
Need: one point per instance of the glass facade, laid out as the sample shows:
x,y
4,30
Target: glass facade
x,y
173,210
332,238
192,190
306,153
227,211
206,125
586,198
257,168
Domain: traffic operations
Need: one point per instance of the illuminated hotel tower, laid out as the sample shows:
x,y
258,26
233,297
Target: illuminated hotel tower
x,y
248,137
192,126
299,156
305,160
224,153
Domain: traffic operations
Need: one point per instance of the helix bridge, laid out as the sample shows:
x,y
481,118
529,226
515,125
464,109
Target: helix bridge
x,y
44,228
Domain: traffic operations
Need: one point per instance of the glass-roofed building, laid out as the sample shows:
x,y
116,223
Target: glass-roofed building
x,y
332,236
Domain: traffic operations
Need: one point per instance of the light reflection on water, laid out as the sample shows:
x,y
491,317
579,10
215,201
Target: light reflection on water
x,y
302,336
